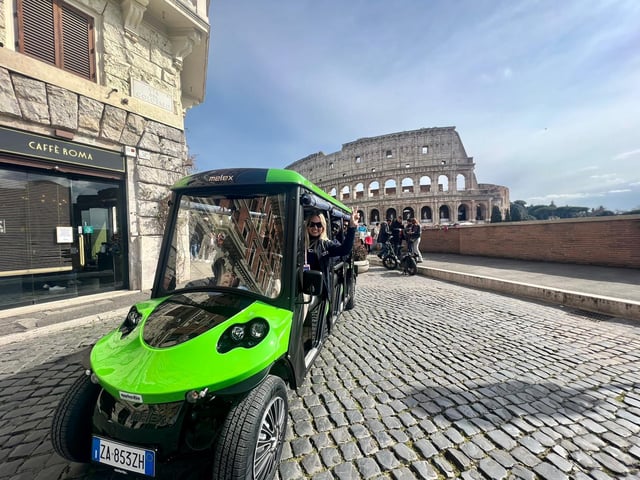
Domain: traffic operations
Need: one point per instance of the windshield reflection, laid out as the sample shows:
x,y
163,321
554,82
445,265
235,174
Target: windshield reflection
x,y
227,242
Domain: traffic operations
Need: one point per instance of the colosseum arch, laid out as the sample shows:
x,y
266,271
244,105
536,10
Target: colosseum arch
x,y
425,184
374,189
390,213
443,214
464,213
374,215
481,212
390,187
359,191
434,158
443,183
426,215
407,213
407,185
345,193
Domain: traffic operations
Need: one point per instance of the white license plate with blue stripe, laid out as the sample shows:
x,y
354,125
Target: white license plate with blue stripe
x,y
126,457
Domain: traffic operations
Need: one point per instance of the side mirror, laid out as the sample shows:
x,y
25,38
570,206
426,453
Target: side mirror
x,y
312,282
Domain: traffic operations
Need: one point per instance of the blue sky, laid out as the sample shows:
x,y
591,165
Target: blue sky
x,y
544,94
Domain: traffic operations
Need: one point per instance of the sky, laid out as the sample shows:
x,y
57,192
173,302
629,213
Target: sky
x,y
545,95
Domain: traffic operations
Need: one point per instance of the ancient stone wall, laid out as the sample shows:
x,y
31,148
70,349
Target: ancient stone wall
x,y
423,173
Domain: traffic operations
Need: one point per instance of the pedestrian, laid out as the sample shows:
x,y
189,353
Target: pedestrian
x,y
368,241
396,235
413,239
195,245
383,238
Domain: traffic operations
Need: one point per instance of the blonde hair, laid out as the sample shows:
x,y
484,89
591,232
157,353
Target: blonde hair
x,y
323,221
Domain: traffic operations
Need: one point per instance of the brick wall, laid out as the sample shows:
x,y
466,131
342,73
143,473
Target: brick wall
x,y
606,241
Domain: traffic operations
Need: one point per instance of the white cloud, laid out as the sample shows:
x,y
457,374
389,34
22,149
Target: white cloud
x,y
625,155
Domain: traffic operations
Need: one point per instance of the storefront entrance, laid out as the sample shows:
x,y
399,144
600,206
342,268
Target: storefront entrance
x,y
61,236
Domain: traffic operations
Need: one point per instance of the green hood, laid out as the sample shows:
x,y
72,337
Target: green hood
x,y
173,349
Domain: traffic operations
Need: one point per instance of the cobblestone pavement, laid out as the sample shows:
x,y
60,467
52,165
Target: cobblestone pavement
x,y
423,379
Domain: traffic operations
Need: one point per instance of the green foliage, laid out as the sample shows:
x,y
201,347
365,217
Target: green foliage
x,y
496,216
359,250
518,211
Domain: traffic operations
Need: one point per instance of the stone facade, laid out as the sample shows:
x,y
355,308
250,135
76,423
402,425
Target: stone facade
x,y
424,174
151,61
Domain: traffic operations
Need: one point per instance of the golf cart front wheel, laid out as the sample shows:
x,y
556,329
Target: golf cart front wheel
x,y
71,424
250,442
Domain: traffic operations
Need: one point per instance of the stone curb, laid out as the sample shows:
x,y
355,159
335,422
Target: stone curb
x,y
617,307
56,327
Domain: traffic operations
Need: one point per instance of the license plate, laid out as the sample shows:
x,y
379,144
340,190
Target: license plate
x,y
123,456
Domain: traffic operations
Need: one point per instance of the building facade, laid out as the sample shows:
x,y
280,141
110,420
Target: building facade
x,y
93,95
424,174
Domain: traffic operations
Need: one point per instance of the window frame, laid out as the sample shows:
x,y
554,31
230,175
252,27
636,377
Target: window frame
x,y
68,55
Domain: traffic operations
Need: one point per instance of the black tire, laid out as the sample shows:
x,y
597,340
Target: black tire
x,y
389,262
410,265
351,292
250,442
72,420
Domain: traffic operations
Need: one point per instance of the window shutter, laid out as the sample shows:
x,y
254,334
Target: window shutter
x,y
58,34
77,43
37,36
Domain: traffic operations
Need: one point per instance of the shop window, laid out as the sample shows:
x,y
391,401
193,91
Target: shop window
x,y
58,34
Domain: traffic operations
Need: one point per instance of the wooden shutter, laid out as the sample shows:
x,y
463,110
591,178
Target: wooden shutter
x,y
77,43
36,29
58,34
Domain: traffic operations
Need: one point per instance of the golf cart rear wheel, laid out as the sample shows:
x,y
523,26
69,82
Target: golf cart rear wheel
x,y
351,292
250,442
71,424
390,262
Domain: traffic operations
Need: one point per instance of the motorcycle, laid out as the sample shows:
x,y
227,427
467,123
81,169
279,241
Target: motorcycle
x,y
407,262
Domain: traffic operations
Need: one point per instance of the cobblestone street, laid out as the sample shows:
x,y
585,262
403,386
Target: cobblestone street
x,y
423,379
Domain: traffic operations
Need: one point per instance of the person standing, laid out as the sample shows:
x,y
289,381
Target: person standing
x,y
413,239
396,235
383,238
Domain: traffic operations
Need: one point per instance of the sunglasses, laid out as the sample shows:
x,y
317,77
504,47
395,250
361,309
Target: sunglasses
x,y
315,224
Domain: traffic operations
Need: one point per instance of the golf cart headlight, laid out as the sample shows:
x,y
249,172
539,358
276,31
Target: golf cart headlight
x,y
237,333
258,329
131,321
244,335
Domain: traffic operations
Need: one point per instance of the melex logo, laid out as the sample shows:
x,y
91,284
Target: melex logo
x,y
220,178
131,397
58,150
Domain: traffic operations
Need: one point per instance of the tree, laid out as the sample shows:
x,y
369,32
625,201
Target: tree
x,y
496,216
507,215
518,211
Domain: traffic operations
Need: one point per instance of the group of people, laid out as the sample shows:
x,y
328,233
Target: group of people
x,y
396,232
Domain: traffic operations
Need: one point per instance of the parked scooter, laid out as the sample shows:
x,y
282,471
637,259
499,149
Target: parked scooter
x,y
407,262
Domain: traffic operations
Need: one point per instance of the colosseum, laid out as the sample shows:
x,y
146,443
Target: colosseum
x,y
423,174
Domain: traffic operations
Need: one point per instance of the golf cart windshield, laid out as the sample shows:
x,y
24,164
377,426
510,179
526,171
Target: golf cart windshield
x,y
221,241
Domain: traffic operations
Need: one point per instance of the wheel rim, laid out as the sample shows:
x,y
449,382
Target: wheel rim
x,y
269,440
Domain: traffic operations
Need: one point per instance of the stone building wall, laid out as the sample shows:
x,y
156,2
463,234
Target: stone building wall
x,y
138,100
421,173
